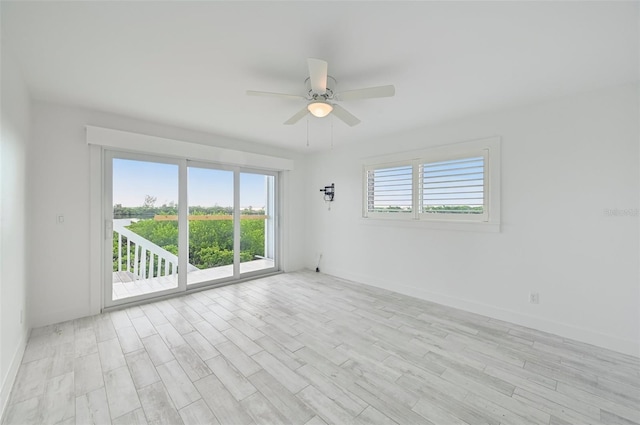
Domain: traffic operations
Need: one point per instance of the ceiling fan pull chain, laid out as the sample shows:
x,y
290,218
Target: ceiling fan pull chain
x,y
307,131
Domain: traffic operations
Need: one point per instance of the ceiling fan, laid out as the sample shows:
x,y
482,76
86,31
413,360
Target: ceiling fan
x,y
321,98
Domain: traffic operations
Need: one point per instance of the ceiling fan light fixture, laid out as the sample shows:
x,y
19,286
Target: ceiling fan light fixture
x,y
320,109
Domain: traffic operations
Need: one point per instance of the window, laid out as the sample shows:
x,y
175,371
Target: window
x,y
390,189
454,188
449,183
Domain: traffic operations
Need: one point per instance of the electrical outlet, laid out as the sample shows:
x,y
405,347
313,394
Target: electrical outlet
x,y
534,298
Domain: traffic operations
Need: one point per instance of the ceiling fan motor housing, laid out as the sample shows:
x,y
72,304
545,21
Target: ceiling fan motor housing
x,y
331,85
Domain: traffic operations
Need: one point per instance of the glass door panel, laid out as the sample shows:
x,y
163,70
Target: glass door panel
x,y
211,234
257,222
172,224
145,228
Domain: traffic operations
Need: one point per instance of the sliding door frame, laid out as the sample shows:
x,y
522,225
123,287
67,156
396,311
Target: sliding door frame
x,y
109,156
183,230
275,218
237,275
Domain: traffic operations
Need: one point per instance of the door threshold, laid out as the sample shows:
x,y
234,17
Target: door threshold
x,y
187,292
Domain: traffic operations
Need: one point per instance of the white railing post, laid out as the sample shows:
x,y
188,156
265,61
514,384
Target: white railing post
x,y
143,262
135,260
151,270
128,255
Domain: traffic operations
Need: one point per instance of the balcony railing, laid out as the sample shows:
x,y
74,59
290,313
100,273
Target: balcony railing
x,y
142,267
141,257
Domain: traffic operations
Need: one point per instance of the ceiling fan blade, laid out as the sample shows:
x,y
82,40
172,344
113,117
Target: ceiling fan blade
x,y
266,93
318,75
345,115
368,93
297,117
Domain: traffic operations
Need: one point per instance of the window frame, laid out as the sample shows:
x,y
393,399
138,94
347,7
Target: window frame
x,y
484,217
183,285
489,220
390,215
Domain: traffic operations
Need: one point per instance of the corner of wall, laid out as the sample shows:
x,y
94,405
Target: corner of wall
x,y
9,379
15,131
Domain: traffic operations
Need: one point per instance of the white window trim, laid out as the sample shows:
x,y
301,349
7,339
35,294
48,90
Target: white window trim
x,y
484,217
126,141
489,147
387,216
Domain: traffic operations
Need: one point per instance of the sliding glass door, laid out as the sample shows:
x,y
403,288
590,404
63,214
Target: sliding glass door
x,y
211,224
177,224
144,248
257,222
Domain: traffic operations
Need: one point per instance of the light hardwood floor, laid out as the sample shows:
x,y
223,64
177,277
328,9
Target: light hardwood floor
x,y
305,348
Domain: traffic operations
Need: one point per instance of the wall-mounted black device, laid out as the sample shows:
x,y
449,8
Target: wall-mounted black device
x,y
329,192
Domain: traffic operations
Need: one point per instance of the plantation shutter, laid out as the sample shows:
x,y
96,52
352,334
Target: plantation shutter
x,y
390,189
455,186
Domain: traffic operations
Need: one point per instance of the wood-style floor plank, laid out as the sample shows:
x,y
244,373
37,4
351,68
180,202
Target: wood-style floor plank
x,y
178,384
198,413
121,392
306,348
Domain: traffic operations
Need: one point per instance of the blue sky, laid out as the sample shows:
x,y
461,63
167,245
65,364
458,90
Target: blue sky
x,y
133,180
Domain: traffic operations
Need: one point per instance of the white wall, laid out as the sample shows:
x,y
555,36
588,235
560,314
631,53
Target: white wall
x,y
60,283
563,163
14,137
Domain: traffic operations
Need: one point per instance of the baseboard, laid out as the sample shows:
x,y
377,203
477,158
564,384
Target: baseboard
x,y
9,379
565,330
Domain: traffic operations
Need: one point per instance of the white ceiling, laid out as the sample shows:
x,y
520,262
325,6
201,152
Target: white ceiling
x,y
188,64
